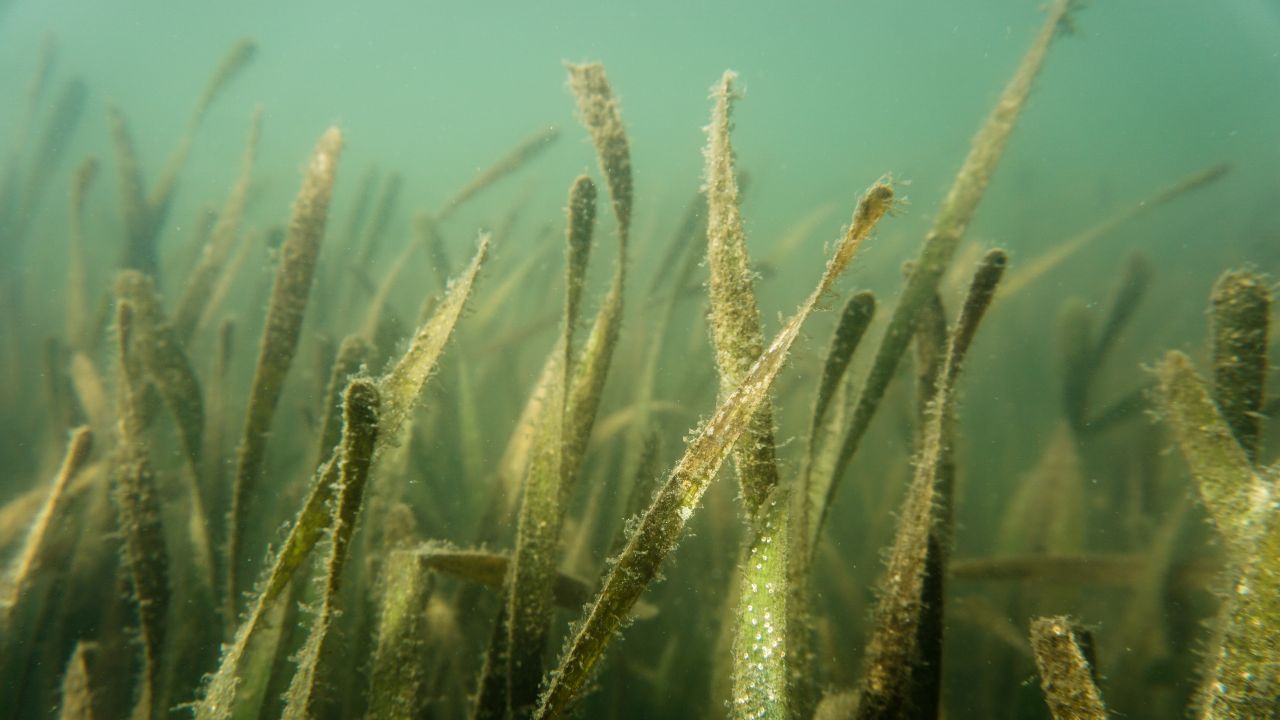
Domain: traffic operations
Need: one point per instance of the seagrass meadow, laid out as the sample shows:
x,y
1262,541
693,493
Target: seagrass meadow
x,y
361,361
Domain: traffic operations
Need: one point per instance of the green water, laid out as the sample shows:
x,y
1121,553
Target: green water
x,y
1133,98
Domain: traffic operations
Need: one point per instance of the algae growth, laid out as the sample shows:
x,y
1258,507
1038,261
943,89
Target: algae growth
x,y
474,452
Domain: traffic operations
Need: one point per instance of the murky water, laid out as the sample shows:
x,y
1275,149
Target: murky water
x,y
185,273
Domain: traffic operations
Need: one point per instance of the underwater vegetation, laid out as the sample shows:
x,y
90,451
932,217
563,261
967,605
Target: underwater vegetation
x,y
289,468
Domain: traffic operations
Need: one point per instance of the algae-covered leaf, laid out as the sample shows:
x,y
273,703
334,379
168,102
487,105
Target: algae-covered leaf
x,y
735,317
1243,677
137,502
583,385
1237,499
402,385
553,467
600,113
78,684
764,640
1065,673
351,356
1241,308
289,297
26,562
398,390
166,364
400,671
948,229
826,423
360,429
662,525
490,569
850,328
763,636
903,655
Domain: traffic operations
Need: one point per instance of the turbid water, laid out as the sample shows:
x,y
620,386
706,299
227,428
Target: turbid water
x,y
680,360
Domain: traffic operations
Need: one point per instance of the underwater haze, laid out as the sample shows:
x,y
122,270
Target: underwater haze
x,y
672,359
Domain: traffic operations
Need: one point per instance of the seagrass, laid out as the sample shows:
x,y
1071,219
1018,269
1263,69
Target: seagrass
x,y
510,472
948,228
1065,673
663,523
289,296
903,650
